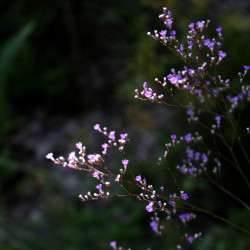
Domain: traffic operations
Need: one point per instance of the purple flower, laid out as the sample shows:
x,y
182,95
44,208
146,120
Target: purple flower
x,y
209,44
91,158
154,226
197,155
113,244
222,54
96,175
150,207
138,178
182,169
184,196
169,22
174,79
125,164
191,170
112,135
200,25
190,154
99,187
97,127
188,137
162,188
148,94
246,68
173,137
219,29
191,26
235,99
105,146
191,72
123,136
185,217
190,239
173,33
204,158
190,44
163,33
190,112
217,118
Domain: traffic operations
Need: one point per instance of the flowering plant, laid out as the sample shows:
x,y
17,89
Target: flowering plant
x,y
205,96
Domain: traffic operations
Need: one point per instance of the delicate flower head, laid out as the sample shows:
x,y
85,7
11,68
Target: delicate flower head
x,y
97,127
222,54
200,25
105,146
72,156
217,118
190,239
163,33
96,175
185,217
79,145
173,33
184,196
190,112
138,178
191,72
112,135
174,78
50,156
191,26
113,244
99,186
154,226
173,137
150,207
246,68
219,29
204,158
188,137
125,163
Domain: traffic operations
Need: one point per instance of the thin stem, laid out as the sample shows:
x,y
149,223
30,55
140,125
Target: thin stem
x,y
198,209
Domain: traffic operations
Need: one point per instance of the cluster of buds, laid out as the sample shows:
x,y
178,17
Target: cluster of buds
x,y
113,141
148,94
155,224
152,197
195,162
95,196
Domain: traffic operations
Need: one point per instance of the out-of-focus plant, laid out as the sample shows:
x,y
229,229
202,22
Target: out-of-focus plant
x,y
215,144
7,54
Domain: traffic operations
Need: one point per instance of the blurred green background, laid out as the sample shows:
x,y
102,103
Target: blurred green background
x,y
66,65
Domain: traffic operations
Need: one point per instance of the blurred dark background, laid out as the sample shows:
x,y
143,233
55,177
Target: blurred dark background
x,y
67,65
